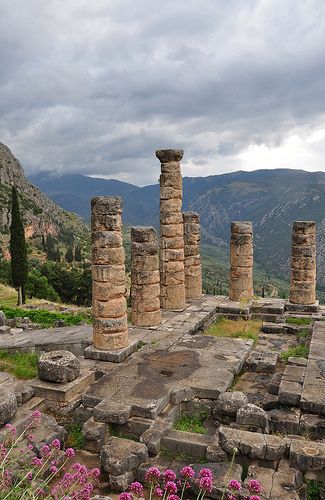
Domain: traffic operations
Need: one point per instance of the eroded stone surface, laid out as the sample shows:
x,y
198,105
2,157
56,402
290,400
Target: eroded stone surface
x,y
145,278
109,304
241,261
58,366
119,455
303,263
172,274
8,406
193,270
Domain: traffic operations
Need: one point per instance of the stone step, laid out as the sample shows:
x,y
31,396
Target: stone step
x,y
187,443
283,328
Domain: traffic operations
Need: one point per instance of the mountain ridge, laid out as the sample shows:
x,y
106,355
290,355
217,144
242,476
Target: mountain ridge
x,y
271,199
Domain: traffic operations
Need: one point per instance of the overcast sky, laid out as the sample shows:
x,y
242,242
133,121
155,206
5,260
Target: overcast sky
x,y
96,86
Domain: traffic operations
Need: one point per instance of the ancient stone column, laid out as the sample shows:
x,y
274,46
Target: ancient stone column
x,y
109,304
241,261
172,276
303,263
145,278
193,270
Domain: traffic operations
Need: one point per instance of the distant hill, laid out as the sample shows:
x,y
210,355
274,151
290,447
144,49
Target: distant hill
x,y
271,199
42,217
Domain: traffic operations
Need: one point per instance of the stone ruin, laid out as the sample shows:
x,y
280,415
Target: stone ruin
x,y
127,385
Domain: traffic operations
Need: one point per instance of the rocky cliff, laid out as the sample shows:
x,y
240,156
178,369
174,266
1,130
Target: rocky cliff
x,y
42,217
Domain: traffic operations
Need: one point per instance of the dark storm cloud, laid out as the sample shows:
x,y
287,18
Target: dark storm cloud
x,y
95,87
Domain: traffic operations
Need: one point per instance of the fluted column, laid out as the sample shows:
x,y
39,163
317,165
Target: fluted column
x,y
145,279
241,261
108,258
303,263
193,269
172,276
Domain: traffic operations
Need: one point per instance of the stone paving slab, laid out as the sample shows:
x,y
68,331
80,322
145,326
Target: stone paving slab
x,y
313,392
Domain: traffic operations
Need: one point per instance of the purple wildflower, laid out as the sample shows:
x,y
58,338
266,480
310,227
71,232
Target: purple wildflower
x,y
205,473
254,486
254,497
158,492
170,487
125,496
205,483
152,475
136,488
69,452
187,472
56,444
169,475
234,485
173,497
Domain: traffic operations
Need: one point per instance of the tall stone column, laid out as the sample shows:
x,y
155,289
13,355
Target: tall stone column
x,y
241,261
303,263
193,270
172,276
145,278
110,329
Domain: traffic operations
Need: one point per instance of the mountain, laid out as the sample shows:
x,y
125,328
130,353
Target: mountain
x,y
271,199
42,217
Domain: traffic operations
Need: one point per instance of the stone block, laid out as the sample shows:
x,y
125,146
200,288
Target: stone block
x,y
114,356
307,455
62,392
252,417
58,366
252,444
119,456
8,406
95,435
284,420
312,425
111,412
274,384
4,329
229,403
121,482
190,444
290,393
262,361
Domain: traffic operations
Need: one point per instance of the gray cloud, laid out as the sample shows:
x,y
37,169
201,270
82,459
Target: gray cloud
x,y
95,87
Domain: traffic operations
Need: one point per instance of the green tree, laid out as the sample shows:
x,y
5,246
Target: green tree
x,y
77,254
69,255
38,286
18,248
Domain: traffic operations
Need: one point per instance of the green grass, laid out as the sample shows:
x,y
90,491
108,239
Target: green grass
x,y
298,321
22,365
191,423
303,334
243,329
300,351
75,437
313,490
45,318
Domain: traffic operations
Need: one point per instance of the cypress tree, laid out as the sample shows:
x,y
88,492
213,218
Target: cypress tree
x,y
18,248
69,255
77,254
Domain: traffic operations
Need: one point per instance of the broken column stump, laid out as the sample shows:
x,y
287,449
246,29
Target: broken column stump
x,y
193,269
145,278
172,276
241,261
110,329
303,263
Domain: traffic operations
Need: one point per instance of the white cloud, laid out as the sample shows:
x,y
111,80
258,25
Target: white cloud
x,y
95,87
